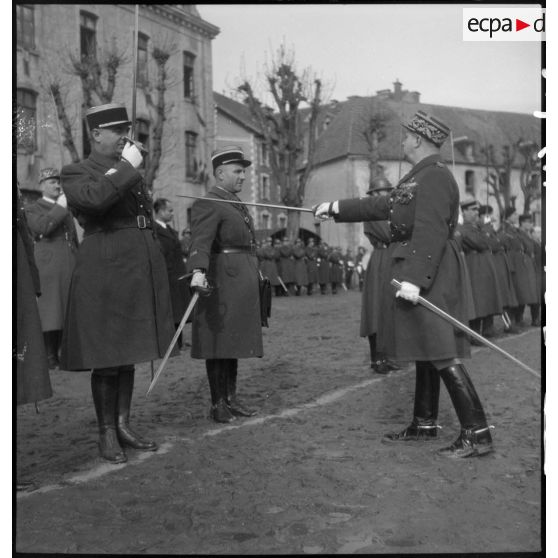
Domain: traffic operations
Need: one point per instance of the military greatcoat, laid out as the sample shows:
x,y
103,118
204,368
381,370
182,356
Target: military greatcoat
x,y
119,308
227,323
301,274
422,211
176,269
376,289
529,249
312,264
482,272
268,265
287,263
324,275
32,381
55,246
520,265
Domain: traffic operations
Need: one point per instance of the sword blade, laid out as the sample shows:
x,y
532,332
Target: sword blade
x,y
173,341
269,205
456,323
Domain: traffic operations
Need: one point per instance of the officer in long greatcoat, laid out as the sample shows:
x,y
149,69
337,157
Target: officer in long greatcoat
x,y
376,289
311,265
300,272
119,310
423,211
172,252
523,274
480,263
227,322
530,248
324,275
56,243
268,265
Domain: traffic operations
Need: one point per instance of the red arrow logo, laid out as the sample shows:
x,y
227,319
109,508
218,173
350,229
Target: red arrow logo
x,y
519,25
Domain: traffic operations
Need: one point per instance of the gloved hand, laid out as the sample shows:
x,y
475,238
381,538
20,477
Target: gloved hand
x,y
62,201
132,154
325,210
408,291
199,282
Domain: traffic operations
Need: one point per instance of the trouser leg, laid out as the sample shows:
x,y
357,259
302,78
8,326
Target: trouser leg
x,y
235,406
217,377
475,438
518,314
104,388
309,289
52,344
127,436
475,325
488,326
535,314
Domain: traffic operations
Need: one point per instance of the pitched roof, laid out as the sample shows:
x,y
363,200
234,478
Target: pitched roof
x,y
344,135
237,111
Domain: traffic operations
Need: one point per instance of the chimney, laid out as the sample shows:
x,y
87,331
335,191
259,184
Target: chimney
x,y
397,90
415,97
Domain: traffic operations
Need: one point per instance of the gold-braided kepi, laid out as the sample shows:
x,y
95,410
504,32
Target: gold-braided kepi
x,y
428,127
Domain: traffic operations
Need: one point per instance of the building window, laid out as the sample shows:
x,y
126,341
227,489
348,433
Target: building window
x,y
142,58
282,221
264,154
265,192
265,220
470,187
26,120
25,27
88,35
191,164
188,75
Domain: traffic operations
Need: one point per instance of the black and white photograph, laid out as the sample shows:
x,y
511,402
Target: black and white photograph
x,y
279,279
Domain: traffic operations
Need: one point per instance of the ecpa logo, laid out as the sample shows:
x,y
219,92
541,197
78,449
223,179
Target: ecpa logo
x,y
504,24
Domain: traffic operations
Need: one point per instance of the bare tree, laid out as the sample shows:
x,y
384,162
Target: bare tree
x,y
284,131
373,131
499,173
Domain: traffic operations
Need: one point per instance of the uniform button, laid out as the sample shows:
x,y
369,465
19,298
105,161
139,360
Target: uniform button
x,y
414,252
404,243
429,257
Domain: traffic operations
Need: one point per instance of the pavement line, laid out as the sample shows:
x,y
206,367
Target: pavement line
x,y
106,468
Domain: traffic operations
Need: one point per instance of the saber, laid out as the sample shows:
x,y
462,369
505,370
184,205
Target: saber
x,y
270,205
283,284
135,72
456,323
173,342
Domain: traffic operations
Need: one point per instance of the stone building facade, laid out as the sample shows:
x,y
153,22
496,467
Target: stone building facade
x,y
48,35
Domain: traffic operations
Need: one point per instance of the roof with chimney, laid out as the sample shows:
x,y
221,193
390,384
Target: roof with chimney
x,y
343,125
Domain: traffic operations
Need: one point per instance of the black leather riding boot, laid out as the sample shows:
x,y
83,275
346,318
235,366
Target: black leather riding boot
x,y
126,436
475,438
488,327
235,406
425,412
104,387
52,343
217,378
475,325
518,315
535,314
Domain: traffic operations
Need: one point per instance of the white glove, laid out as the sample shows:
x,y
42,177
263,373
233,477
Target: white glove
x,y
325,210
132,154
199,282
62,201
408,291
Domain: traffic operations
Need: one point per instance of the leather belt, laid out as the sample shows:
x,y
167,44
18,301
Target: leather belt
x,y
251,249
136,222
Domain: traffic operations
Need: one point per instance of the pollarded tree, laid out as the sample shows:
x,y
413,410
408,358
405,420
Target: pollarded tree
x,y
284,129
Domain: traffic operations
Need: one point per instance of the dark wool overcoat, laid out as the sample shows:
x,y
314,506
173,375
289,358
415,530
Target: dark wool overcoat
x,y
376,290
301,274
55,247
335,259
32,380
119,309
482,272
268,265
227,323
501,264
520,265
324,275
176,270
312,264
423,211
530,246
287,263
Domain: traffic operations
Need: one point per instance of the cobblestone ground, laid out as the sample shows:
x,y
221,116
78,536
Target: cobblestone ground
x,y
307,475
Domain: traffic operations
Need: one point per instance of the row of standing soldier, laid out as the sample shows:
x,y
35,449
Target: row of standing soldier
x,y
291,268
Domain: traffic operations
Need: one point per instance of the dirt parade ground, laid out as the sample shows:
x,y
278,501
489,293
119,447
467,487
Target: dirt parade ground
x,y
307,475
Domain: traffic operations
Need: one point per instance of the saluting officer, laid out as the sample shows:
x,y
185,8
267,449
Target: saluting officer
x,y
227,322
422,212
119,308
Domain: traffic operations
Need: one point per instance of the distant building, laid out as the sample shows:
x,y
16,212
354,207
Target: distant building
x,y
48,34
342,154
